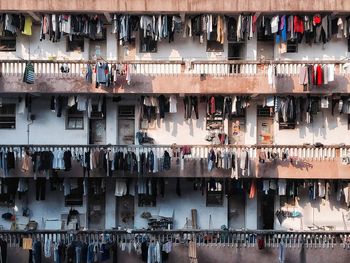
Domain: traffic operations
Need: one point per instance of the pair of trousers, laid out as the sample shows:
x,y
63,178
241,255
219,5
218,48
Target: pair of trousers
x,y
191,104
40,186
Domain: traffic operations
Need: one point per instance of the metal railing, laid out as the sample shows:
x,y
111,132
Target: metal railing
x,y
225,238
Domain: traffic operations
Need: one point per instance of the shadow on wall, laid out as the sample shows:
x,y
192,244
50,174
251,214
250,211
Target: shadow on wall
x,y
269,169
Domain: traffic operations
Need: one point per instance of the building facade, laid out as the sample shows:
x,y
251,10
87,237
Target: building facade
x,y
179,118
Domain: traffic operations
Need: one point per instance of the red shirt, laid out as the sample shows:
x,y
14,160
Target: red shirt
x,y
212,105
298,25
319,75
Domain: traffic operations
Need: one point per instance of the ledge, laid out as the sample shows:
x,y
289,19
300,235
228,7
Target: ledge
x,y
145,6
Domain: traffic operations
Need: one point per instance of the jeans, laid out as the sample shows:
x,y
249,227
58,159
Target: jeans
x,y
78,255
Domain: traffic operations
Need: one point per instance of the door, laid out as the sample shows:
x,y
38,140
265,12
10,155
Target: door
x,y
236,210
265,50
268,210
97,131
96,206
265,130
126,125
235,50
236,129
125,211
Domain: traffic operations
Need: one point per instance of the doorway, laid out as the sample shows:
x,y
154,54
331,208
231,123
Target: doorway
x,y
265,124
96,205
125,211
265,130
126,125
236,210
97,131
97,125
268,210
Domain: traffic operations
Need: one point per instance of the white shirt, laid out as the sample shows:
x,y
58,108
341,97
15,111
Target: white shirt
x,y
120,187
282,185
81,102
58,162
330,72
173,104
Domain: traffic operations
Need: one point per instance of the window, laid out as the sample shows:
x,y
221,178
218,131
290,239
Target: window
x,y
265,111
214,46
74,119
147,45
147,200
264,37
96,114
77,44
292,46
8,116
289,125
102,36
215,193
8,42
75,198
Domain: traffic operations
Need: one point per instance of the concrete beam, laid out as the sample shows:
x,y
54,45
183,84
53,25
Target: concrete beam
x,y
195,6
34,16
108,17
169,84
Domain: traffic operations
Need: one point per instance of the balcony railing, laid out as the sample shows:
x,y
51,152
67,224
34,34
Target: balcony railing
x,y
226,238
298,152
51,68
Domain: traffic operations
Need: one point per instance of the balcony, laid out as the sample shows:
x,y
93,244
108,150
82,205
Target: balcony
x,y
210,246
291,161
167,77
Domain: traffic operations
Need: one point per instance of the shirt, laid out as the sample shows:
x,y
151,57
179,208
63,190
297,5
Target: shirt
x,y
27,26
81,102
173,104
282,185
120,187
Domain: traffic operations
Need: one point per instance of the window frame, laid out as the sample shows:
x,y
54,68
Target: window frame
x,y
8,115
150,40
74,114
8,37
215,194
292,44
151,200
218,48
77,40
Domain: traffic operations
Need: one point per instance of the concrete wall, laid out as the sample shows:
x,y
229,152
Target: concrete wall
x,y
326,129
47,128
31,47
181,48
182,205
336,49
50,208
314,213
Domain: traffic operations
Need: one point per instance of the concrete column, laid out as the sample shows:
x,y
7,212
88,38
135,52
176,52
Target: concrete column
x,y
111,122
251,213
251,48
112,44
110,204
251,130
